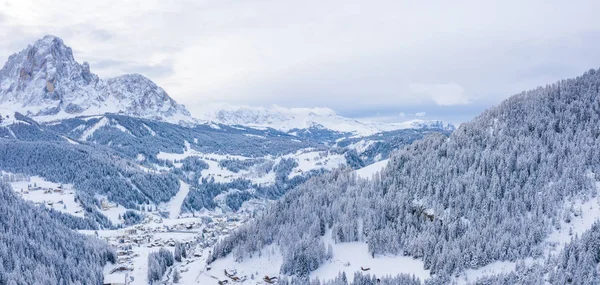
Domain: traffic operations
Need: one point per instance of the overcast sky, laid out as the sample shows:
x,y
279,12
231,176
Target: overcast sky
x,y
379,59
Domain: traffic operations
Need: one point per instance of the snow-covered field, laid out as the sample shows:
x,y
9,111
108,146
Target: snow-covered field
x,y
173,207
347,257
252,269
307,159
350,257
60,197
368,171
114,212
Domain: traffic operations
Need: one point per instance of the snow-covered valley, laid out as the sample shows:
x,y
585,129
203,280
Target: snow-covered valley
x,y
111,181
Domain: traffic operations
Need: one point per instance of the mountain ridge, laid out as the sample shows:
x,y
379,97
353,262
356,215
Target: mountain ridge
x,y
292,120
45,81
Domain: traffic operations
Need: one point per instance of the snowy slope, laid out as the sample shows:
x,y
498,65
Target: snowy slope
x,y
46,82
174,206
349,257
368,171
63,201
583,215
289,119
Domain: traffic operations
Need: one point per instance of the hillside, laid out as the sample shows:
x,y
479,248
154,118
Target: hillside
x,y
37,249
492,191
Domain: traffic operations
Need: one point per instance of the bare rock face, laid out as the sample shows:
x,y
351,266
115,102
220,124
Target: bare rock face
x,y
44,79
142,97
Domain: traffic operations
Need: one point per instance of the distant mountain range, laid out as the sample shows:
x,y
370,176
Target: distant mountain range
x,y
45,82
292,120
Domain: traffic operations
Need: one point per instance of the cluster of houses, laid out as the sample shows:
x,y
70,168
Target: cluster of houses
x,y
154,233
47,190
106,205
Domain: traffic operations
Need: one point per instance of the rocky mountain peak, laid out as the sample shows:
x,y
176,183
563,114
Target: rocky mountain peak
x,y
44,80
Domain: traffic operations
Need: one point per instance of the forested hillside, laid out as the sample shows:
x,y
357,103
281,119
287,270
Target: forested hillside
x,y
91,170
132,136
491,191
37,249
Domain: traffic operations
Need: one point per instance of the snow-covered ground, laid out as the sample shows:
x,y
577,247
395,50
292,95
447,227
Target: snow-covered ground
x,y
585,213
368,171
60,197
173,207
350,257
307,159
360,146
114,212
251,269
498,267
91,130
347,257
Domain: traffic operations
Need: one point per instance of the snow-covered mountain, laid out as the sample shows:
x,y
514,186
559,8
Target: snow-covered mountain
x,y
290,119
45,81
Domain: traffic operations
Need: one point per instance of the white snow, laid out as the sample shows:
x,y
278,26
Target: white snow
x,y
588,212
8,117
91,130
63,201
498,267
152,132
268,263
113,213
368,171
361,146
286,119
174,206
347,257
90,117
308,160
70,140
255,136
121,128
350,257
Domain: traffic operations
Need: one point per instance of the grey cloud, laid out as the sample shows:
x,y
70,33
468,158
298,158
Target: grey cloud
x,y
151,71
101,35
357,58
488,72
120,67
107,63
